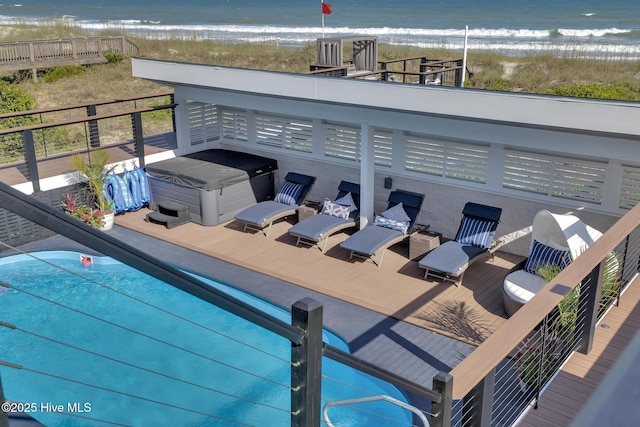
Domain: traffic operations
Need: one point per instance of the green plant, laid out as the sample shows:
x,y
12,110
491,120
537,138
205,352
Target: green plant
x,y
57,73
82,212
113,57
567,311
534,365
610,281
95,170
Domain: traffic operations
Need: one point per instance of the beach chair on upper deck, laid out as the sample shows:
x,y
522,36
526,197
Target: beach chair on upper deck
x,y
390,227
335,216
475,238
292,194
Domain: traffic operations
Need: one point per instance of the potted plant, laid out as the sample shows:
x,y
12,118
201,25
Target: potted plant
x,y
82,212
95,170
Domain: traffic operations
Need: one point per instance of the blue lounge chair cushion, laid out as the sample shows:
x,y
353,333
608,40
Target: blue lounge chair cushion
x,y
315,227
451,257
542,254
263,212
336,209
370,239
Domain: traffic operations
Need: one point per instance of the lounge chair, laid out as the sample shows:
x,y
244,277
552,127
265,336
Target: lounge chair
x,y
555,240
335,216
474,239
390,227
292,193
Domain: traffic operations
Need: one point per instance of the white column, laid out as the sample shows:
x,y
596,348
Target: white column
x,y
367,183
183,133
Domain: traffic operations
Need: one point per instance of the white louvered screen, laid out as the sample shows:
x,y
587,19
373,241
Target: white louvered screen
x,y
554,176
203,122
341,141
289,133
234,124
383,148
630,190
269,130
299,135
466,162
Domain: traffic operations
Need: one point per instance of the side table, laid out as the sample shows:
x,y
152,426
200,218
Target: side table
x,y
422,242
308,209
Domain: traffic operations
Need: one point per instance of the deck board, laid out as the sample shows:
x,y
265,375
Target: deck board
x,y
396,288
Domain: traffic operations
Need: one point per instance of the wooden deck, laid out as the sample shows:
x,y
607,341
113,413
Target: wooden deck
x,y
581,375
396,289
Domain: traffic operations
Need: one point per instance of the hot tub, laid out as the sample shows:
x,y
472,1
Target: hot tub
x,y
214,184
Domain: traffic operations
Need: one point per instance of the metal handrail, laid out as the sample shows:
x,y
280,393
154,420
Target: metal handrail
x,y
416,411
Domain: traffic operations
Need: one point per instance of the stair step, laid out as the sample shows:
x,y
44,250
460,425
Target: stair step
x,y
172,208
168,221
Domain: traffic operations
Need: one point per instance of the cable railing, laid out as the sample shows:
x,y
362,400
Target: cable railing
x,y
505,376
30,141
303,335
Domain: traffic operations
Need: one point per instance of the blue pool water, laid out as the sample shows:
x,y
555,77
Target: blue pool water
x,y
141,352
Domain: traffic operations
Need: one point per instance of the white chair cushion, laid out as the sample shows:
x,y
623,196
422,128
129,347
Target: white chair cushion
x,y
521,286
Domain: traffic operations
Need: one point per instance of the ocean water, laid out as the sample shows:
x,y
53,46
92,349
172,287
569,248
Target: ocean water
x,y
514,27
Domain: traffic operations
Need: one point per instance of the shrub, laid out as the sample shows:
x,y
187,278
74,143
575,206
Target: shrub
x,y
620,92
113,57
57,73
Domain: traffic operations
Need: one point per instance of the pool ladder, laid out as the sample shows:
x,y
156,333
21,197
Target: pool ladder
x,y
416,411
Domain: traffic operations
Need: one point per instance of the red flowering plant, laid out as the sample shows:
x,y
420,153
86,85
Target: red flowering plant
x,y
82,212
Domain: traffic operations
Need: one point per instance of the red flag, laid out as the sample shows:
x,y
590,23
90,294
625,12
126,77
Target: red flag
x,y
326,8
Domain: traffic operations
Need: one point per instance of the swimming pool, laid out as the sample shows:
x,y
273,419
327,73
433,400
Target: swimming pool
x,y
141,352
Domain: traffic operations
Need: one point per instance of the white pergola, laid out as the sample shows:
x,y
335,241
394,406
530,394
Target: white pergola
x,y
575,128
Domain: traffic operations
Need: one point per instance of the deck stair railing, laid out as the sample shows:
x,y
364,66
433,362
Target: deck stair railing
x,y
416,69
327,419
505,375
35,54
422,70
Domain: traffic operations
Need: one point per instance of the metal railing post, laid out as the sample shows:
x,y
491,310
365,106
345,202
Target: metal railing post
x,y
443,384
590,300
478,410
94,133
172,100
459,71
30,158
306,360
138,138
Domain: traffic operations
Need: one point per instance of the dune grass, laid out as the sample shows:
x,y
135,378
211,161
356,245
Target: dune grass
x,y
567,75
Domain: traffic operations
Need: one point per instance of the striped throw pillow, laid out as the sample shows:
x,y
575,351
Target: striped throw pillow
x,y
542,255
475,232
288,193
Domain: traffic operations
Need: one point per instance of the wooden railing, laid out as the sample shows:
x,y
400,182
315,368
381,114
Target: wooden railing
x,y
31,55
415,69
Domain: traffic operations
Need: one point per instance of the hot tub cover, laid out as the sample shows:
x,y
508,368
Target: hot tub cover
x,y
211,169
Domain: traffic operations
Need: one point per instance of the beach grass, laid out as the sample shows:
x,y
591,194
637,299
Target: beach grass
x,y
566,74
